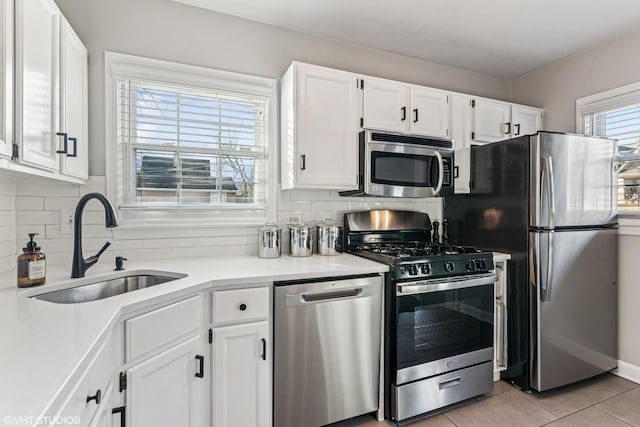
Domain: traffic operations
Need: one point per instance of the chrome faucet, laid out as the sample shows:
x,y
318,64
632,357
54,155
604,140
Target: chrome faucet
x,y
81,265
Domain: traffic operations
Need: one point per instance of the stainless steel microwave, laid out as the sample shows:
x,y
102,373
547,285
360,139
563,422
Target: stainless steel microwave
x,y
394,165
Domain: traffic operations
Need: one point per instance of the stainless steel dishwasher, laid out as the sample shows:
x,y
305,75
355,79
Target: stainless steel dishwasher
x,y
327,350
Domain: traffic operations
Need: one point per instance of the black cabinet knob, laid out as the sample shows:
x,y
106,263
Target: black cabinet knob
x,y
242,307
97,397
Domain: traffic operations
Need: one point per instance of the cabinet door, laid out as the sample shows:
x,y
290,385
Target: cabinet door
x,y
525,120
491,120
6,78
461,118
164,391
429,113
241,390
386,105
37,74
326,121
74,103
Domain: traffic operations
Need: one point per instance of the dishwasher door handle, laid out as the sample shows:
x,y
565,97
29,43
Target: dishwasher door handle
x,y
305,298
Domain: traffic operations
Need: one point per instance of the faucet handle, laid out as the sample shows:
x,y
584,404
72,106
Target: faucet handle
x,y
120,262
101,251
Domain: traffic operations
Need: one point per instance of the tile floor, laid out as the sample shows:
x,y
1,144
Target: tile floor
x,y
606,400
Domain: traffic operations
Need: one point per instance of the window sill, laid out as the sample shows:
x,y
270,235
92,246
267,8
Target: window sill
x,y
629,224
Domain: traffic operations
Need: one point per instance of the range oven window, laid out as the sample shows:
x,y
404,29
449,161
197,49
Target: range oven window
x,y
410,170
437,325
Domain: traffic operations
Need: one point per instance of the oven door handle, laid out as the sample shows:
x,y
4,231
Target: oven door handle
x,y
440,173
439,285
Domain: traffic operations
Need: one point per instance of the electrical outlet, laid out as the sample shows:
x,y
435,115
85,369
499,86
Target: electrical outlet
x,y
66,221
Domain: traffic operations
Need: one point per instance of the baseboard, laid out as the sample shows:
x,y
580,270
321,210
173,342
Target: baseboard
x,y
628,371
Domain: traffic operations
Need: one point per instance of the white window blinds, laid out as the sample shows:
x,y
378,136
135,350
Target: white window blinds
x,y
187,148
618,117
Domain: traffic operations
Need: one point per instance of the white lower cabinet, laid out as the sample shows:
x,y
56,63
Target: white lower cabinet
x,y
168,389
500,319
241,360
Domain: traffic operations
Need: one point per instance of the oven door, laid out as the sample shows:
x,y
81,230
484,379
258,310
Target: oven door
x,y
407,170
443,325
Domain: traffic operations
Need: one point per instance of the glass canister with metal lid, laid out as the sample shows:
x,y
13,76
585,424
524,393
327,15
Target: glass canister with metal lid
x,y
329,238
269,241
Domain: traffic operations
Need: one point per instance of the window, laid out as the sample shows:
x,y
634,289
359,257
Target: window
x,y
188,144
616,114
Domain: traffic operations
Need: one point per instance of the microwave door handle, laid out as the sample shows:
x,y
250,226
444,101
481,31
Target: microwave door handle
x,y
440,173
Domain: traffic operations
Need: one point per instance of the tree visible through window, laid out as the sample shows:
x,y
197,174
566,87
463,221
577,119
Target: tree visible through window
x,y
189,148
622,124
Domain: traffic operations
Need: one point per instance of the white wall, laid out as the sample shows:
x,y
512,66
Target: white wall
x,y
555,87
167,30
7,224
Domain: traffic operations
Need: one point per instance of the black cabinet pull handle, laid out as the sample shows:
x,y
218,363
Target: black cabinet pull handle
x,y
64,144
517,126
242,307
508,125
456,172
75,147
415,111
264,348
120,410
404,114
200,372
303,162
97,397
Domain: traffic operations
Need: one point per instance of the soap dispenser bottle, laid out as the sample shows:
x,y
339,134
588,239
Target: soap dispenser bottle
x,y
31,265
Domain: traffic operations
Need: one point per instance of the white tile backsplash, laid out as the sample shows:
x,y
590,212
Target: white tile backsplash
x,y
38,207
7,224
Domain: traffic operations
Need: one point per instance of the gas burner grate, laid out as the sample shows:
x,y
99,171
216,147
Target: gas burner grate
x,y
412,249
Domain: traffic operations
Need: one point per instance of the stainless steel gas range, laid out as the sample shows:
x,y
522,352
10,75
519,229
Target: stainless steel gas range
x,y
439,306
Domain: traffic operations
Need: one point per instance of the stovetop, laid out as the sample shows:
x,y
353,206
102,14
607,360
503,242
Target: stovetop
x,y
402,239
417,260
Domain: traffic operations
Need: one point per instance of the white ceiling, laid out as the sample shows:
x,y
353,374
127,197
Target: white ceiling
x,y
504,38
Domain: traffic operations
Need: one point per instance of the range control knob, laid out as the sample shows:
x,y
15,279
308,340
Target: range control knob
x,y
449,266
471,265
413,270
481,264
425,269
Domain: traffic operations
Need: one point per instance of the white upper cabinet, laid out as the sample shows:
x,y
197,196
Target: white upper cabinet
x,y
37,77
461,130
385,105
6,78
403,108
491,120
51,93
525,120
74,104
496,120
320,112
430,112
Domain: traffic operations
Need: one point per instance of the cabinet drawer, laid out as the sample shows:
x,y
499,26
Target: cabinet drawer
x,y
240,305
97,381
152,330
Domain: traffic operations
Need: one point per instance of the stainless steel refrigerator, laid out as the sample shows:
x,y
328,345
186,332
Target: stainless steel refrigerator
x,y
549,200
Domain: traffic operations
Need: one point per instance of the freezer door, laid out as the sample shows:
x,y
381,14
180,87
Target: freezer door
x,y
574,306
573,180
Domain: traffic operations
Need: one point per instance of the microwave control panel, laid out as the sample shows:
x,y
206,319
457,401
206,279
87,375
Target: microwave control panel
x,y
446,172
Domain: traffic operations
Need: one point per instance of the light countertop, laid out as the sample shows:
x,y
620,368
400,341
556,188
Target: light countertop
x,y
45,344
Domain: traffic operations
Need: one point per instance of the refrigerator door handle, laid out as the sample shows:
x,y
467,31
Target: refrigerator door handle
x,y
547,170
545,291
440,173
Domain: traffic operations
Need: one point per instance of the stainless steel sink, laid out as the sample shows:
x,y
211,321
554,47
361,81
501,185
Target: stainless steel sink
x,y
107,288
